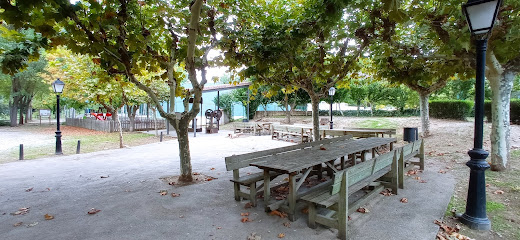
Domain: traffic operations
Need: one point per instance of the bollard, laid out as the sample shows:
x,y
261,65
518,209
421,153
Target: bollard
x,y
161,137
21,151
78,147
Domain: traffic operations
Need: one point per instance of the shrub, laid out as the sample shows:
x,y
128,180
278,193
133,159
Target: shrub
x,y
377,113
514,111
451,109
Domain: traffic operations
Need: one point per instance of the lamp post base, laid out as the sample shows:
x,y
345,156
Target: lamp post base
x,y
475,223
331,125
58,143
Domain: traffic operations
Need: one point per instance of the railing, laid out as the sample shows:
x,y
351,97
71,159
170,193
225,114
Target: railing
x,y
141,124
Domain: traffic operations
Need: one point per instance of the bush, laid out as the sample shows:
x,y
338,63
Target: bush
x,y
377,113
451,109
514,111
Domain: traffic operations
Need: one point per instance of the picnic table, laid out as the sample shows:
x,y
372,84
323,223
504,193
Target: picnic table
x,y
303,161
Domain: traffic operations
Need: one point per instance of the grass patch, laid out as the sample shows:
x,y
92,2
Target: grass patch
x,y
494,206
515,153
455,204
377,123
89,143
508,180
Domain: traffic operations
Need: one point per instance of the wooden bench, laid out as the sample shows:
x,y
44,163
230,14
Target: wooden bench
x,y
280,132
408,152
345,183
237,162
246,127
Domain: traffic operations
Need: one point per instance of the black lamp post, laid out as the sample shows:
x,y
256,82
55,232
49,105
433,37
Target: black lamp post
x,y
481,15
332,91
57,86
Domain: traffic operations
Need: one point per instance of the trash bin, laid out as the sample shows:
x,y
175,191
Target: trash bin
x,y
410,134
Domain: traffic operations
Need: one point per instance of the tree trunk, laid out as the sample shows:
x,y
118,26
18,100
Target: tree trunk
x,y
21,116
155,121
184,151
132,111
115,116
287,111
425,114
501,83
315,101
13,113
358,106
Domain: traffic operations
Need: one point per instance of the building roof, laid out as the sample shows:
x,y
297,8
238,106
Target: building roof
x,y
223,87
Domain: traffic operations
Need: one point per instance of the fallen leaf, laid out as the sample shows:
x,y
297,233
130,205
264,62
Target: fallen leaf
x,y
498,192
362,210
21,211
487,185
286,179
423,181
287,224
417,178
107,176
32,224
244,214
322,148
219,228
245,219
278,213
93,211
171,183
248,205
17,224
48,189
29,189
305,210
404,200
181,216
163,192
48,217
212,168
175,194
387,192
349,218
196,173
442,171
253,236
281,235
209,179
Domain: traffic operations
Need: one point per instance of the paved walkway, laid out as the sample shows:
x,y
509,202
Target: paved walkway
x,y
131,207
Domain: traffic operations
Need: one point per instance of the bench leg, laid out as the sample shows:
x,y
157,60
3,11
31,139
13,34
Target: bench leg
x,y
342,162
252,194
343,208
292,197
267,189
401,171
320,171
237,190
421,155
312,215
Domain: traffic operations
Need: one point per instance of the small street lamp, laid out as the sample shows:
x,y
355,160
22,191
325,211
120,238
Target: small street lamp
x,y
481,15
332,90
57,86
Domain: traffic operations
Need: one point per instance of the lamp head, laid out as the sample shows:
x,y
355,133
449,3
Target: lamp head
x,y
481,15
58,86
332,91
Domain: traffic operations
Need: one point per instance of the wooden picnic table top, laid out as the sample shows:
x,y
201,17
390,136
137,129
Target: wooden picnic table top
x,y
372,130
296,161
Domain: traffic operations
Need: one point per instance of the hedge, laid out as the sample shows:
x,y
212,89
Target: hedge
x,y
514,110
451,109
376,113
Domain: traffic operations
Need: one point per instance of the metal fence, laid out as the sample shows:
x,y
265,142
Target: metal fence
x,y
141,124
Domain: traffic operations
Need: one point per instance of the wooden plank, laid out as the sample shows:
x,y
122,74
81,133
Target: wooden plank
x,y
343,206
310,157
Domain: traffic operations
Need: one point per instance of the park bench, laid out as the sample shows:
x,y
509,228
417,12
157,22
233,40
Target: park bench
x,y
246,127
347,182
281,132
236,162
408,152
370,132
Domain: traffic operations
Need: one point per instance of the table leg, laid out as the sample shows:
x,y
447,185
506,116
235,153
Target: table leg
x,y
267,189
342,162
292,197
